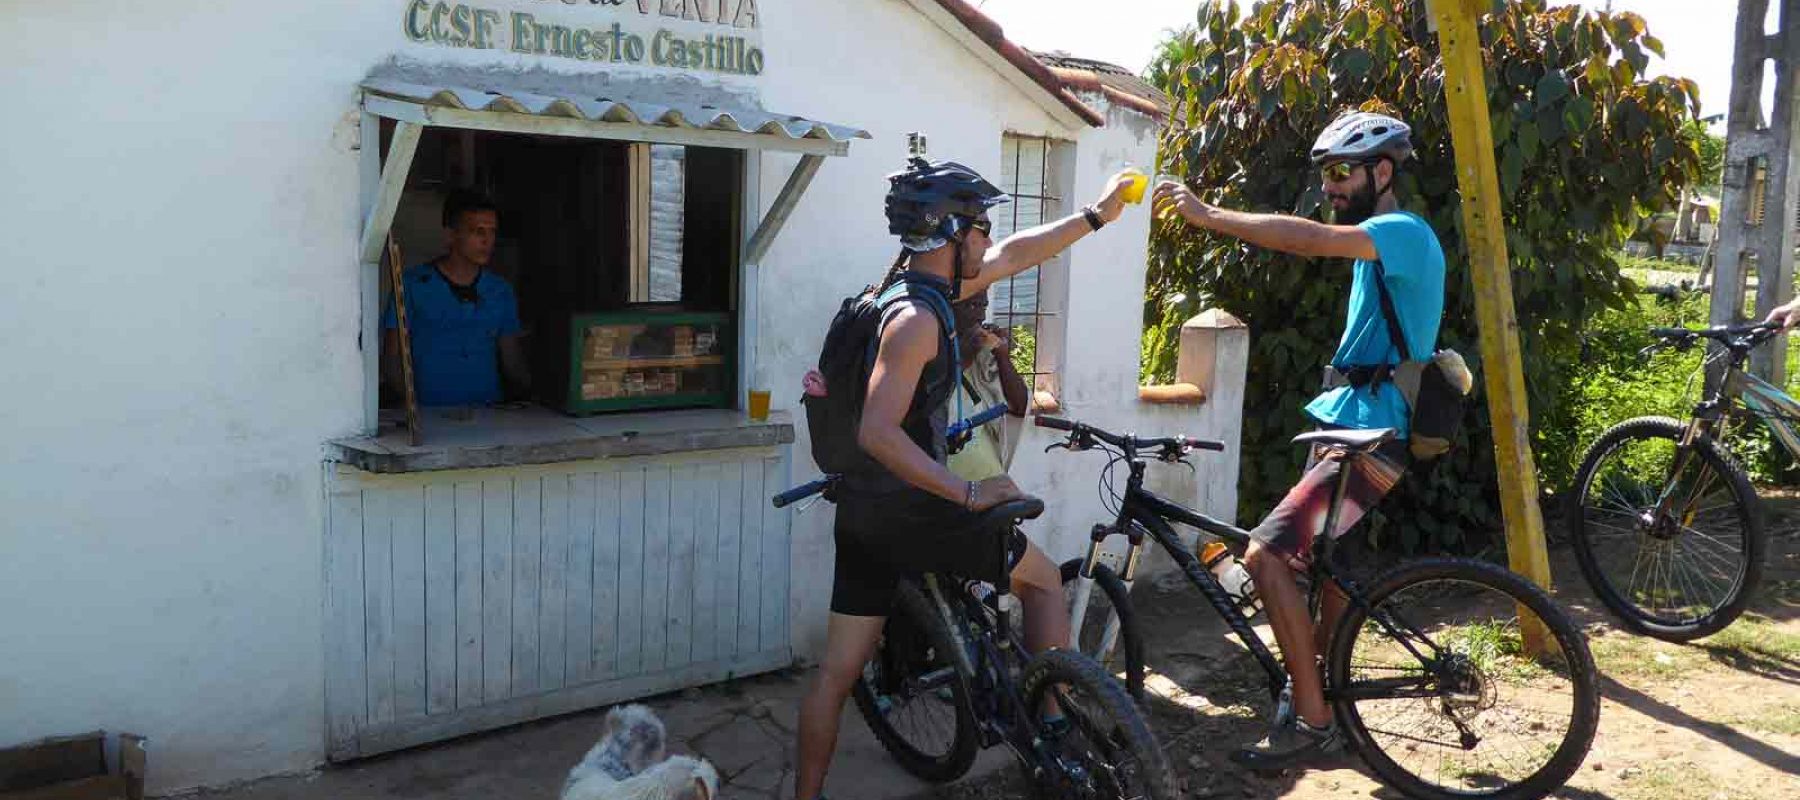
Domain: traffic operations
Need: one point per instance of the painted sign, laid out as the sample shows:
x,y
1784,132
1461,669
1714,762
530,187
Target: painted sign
x,y
698,35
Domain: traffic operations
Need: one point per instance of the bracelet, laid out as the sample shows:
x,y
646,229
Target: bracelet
x,y
1093,217
969,497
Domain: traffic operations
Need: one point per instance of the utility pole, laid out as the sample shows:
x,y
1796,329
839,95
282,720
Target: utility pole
x,y
1465,94
1762,183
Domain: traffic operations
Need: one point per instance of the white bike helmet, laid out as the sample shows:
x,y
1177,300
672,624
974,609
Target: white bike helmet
x,y
1360,136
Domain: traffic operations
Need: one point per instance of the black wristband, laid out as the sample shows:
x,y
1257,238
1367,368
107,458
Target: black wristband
x,y
1093,217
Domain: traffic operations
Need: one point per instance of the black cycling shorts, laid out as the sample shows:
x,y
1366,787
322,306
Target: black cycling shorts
x,y
881,538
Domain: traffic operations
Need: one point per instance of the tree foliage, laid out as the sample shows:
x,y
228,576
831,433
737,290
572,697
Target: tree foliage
x,y
1586,146
1172,54
1712,155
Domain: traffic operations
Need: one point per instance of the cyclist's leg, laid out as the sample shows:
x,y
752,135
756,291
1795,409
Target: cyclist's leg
x,y
849,643
1281,547
1372,476
1038,585
1286,608
862,593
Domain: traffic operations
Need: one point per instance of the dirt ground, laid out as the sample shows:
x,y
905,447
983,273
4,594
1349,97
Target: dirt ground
x,y
1715,720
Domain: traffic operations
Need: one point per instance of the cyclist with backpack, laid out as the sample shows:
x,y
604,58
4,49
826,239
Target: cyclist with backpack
x,y
880,421
1396,303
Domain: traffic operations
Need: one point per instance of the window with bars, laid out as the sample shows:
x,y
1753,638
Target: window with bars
x,y
1030,304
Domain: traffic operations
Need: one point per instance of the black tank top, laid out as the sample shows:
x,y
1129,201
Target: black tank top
x,y
927,419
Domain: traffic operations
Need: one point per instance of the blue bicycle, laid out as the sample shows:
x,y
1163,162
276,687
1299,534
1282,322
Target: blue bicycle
x,y
1665,524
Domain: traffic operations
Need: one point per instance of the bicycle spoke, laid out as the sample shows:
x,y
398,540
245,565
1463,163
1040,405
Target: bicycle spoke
x,y
1728,569
1613,530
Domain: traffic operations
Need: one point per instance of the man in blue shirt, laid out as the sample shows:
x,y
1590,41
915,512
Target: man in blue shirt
x,y
1358,155
463,319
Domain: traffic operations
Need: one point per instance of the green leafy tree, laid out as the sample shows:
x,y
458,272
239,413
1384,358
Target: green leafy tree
x,y
1586,147
1712,155
1174,52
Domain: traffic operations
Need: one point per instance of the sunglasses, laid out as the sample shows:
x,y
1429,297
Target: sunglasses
x,y
1341,171
986,226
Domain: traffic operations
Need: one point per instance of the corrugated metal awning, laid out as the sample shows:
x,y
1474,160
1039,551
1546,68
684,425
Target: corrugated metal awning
x,y
605,118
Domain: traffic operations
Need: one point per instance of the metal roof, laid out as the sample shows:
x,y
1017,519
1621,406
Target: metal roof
x,y
772,129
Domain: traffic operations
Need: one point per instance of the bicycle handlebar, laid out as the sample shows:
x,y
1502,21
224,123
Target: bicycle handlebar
x,y
981,418
1720,333
1128,441
803,491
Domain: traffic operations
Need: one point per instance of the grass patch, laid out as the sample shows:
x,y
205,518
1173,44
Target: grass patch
x,y
1757,645
1685,781
1754,634
1753,644
1782,719
1628,654
1496,647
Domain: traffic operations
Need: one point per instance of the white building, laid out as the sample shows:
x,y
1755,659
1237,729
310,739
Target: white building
x,y
214,536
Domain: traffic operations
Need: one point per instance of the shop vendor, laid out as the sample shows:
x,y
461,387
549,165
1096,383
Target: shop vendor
x,y
463,318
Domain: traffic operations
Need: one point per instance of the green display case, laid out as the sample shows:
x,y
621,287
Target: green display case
x,y
642,360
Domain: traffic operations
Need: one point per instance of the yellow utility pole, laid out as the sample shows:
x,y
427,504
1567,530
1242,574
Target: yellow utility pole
x,y
1465,92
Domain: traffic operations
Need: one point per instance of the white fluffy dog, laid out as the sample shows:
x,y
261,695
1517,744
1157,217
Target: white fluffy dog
x,y
628,764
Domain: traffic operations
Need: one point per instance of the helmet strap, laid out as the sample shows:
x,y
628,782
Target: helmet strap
x,y
956,270
1381,190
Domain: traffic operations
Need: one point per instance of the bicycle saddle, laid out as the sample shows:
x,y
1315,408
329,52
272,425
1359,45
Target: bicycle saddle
x,y
1349,439
1012,511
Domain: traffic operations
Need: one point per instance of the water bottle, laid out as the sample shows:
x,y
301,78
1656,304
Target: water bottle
x,y
1233,576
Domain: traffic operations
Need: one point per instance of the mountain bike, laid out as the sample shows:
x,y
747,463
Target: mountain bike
x,y
950,676
1665,524
1428,669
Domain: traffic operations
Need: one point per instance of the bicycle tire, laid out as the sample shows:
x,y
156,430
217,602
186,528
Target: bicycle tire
x,y
1131,641
1716,615
915,619
1584,716
1087,692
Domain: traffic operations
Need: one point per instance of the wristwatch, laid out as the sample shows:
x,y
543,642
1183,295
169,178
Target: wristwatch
x,y
1093,217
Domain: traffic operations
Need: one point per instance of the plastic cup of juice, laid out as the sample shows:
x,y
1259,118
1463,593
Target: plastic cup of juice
x,y
1134,191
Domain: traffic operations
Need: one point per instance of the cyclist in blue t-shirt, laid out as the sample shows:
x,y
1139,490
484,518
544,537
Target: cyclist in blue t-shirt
x,y
1358,155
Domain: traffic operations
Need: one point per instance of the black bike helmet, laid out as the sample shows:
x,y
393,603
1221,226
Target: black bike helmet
x,y
928,203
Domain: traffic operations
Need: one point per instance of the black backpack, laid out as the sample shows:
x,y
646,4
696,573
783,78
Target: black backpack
x,y
847,359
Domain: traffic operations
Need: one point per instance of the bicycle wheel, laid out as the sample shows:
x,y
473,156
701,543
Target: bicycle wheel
x,y
914,697
1674,556
1107,752
1109,629
1432,682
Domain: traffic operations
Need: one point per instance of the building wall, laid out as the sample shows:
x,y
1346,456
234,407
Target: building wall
x,y
184,313
181,321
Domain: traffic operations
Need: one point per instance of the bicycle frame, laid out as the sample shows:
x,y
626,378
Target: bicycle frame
x,y
1776,408
1144,512
1710,418
991,648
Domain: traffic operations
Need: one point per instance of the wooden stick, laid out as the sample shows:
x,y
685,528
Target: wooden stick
x,y
406,363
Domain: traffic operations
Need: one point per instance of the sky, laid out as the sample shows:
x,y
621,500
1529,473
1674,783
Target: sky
x,y
1696,34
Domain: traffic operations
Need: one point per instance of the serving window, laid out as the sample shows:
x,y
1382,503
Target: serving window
x,y
623,257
